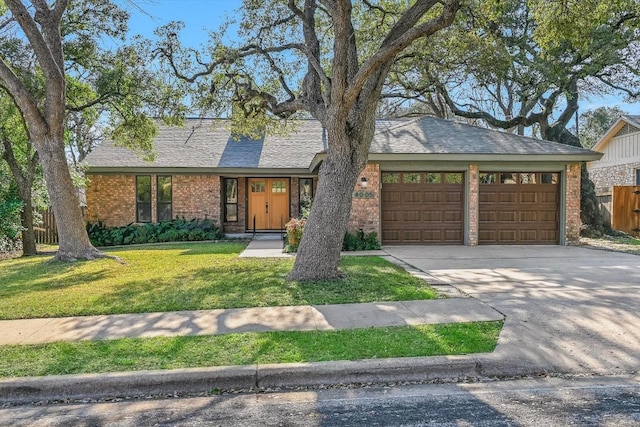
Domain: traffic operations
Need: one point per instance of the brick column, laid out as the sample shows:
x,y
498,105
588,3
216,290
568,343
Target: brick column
x,y
572,203
472,213
365,208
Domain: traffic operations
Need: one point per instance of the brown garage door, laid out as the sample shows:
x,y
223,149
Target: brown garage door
x,y
422,207
519,208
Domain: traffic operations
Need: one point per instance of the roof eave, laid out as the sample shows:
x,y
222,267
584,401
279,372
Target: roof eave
x,y
95,170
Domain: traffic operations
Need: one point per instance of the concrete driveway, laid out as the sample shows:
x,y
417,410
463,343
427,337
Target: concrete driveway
x,y
568,309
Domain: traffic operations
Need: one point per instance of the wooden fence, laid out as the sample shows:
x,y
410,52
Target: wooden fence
x,y
47,232
625,213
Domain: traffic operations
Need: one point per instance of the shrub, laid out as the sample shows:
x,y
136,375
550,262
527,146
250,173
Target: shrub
x,y
357,241
295,228
177,230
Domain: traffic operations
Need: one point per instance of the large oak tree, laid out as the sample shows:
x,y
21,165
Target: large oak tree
x,y
53,61
328,58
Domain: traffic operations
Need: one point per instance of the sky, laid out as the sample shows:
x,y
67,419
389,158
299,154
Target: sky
x,y
200,15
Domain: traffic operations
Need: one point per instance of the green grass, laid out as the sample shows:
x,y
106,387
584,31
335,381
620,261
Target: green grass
x,y
247,348
188,276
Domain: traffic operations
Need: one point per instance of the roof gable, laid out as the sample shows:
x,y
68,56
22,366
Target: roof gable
x,y
625,125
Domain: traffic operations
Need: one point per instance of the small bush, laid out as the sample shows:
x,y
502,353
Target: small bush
x,y
177,230
356,241
295,228
360,241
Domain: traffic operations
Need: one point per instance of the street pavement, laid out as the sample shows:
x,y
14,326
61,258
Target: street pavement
x,y
567,310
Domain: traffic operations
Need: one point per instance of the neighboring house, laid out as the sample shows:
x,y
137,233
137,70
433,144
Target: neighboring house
x,y
428,181
618,172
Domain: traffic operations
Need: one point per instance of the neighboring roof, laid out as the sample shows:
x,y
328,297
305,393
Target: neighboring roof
x,y
203,146
633,120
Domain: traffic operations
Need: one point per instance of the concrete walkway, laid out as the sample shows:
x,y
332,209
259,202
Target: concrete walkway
x,y
258,319
216,322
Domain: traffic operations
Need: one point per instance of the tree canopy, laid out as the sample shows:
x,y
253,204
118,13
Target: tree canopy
x,y
325,58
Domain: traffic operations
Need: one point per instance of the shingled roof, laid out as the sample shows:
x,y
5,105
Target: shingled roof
x,y
204,145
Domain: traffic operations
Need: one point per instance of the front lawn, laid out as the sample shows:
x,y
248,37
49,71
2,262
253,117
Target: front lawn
x,y
189,276
247,349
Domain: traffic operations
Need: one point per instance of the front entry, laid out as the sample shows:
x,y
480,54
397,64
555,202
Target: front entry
x,y
268,203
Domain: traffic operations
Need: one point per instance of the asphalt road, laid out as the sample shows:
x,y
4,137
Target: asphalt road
x,y
601,401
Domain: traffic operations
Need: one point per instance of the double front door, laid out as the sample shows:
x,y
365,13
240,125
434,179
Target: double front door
x,y
268,203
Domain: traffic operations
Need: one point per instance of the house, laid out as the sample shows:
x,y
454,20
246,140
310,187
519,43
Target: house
x,y
428,181
616,175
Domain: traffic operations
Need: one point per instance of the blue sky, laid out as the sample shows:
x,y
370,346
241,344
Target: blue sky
x,y
200,15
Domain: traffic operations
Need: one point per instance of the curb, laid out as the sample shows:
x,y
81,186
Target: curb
x,y
211,380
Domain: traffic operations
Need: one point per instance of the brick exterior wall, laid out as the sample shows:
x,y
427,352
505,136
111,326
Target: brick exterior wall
x,y
606,177
111,199
473,216
196,196
572,203
365,208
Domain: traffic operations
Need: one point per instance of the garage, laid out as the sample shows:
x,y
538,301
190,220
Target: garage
x,y
422,208
519,208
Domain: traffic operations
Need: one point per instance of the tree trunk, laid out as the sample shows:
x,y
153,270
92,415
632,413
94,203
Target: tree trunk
x,y
319,253
26,218
72,233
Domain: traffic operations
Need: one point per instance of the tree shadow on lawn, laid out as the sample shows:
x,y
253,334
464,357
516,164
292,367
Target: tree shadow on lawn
x,y
40,275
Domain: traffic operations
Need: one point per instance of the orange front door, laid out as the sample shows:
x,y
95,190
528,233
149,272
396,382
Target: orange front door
x,y
268,203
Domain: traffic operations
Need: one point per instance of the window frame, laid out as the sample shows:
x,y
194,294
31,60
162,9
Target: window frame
x,y
227,203
300,186
160,204
143,203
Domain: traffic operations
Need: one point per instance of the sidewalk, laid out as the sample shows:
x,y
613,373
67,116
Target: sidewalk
x,y
259,319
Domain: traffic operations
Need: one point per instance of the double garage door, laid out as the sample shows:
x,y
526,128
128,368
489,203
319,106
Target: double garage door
x,y
429,208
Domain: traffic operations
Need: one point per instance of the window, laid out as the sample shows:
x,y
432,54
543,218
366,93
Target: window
x,y
390,178
231,199
453,178
432,178
549,178
528,178
411,178
487,178
306,195
637,176
165,197
143,198
279,187
508,178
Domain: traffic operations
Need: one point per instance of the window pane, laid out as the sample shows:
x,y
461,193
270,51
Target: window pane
x,y
637,176
144,212
164,212
258,187
453,178
231,190
549,178
231,212
279,187
528,178
411,178
164,189
432,178
143,188
487,178
390,178
507,178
